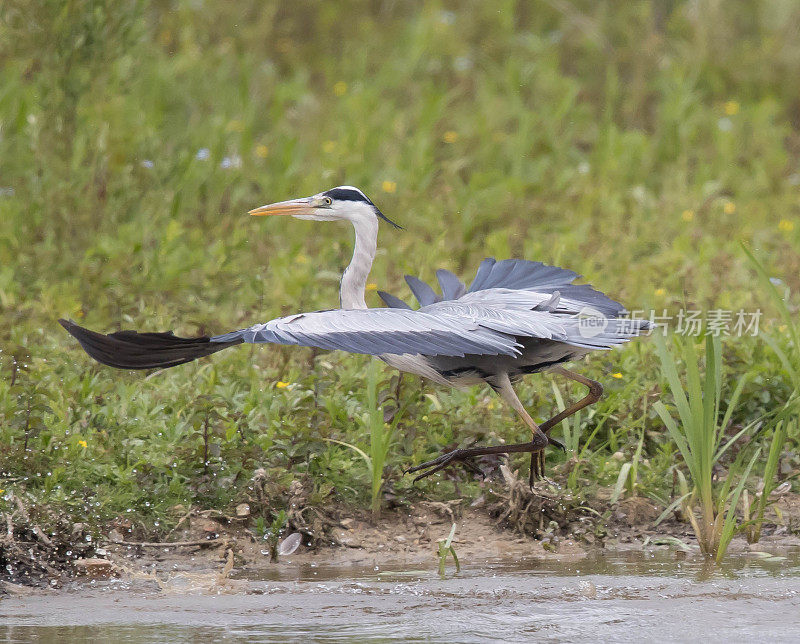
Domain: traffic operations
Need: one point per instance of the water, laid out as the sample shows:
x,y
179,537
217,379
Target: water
x,y
622,598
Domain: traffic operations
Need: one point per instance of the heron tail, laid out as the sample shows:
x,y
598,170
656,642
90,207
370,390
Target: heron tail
x,y
132,350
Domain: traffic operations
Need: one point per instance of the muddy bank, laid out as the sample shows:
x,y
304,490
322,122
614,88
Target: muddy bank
x,y
408,539
509,523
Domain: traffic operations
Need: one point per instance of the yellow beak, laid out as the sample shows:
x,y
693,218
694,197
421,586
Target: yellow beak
x,y
291,207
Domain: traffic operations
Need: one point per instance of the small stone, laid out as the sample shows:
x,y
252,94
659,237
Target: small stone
x,y
207,525
588,590
243,510
95,568
400,538
346,523
618,456
345,539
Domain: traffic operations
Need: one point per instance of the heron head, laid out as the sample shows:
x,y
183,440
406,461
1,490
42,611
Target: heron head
x,y
341,203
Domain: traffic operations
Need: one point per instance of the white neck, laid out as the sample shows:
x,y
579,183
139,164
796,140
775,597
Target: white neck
x,y
354,278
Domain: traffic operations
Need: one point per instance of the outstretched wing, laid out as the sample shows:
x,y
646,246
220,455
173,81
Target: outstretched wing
x,y
487,322
515,275
524,275
530,314
377,331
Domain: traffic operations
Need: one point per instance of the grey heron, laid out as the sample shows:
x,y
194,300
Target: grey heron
x,y
517,317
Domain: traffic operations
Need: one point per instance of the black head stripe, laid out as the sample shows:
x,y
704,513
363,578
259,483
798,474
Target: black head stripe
x,y
353,194
347,194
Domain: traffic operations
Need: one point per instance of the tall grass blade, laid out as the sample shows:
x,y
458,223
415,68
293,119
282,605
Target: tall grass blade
x,y
729,525
769,482
699,438
619,486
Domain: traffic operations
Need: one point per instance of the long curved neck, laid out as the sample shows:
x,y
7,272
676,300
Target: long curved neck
x,y
354,278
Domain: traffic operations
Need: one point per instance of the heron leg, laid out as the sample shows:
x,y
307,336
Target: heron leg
x,y
595,391
465,454
538,442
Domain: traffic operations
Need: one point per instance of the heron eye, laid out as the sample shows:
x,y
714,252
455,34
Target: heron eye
x,y
327,201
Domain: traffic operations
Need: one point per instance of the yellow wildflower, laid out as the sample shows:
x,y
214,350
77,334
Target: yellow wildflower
x,y
660,292
262,151
450,136
687,215
236,126
340,88
301,259
782,328
328,146
731,108
729,208
616,375
281,385
83,443
389,186
786,225
372,286
1,491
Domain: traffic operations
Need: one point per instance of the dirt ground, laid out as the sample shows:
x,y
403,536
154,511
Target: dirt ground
x,y
513,524
410,538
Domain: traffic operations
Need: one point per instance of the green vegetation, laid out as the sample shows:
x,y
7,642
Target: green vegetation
x,y
702,442
380,438
636,144
768,485
446,548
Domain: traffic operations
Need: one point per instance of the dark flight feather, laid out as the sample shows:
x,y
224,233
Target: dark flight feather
x,y
132,350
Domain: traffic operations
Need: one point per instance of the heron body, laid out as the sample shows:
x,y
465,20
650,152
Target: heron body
x,y
516,317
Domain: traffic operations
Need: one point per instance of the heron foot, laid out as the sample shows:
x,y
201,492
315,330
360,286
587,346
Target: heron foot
x,y
448,458
537,462
465,456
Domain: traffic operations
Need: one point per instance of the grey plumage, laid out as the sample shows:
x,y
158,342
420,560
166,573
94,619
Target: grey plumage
x,y
517,274
379,331
488,321
425,294
452,287
392,302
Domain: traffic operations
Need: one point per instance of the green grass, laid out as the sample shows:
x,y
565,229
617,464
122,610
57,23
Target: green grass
x,y
700,434
768,484
445,547
380,439
634,145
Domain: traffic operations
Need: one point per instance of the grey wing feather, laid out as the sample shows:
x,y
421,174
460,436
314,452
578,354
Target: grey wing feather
x,y
535,276
520,275
425,294
391,301
452,287
378,331
483,273
531,315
